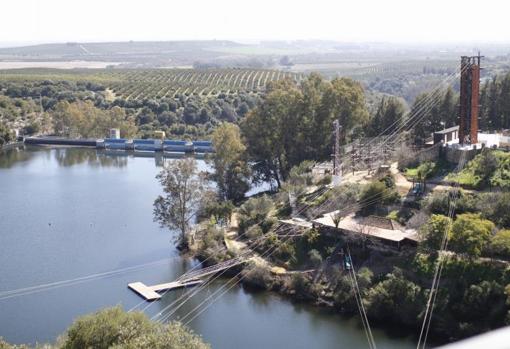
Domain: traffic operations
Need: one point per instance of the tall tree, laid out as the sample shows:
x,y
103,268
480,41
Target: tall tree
x,y
294,123
183,189
435,112
388,117
231,170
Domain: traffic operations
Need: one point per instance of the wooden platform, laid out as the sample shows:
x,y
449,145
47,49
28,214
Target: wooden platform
x,y
150,293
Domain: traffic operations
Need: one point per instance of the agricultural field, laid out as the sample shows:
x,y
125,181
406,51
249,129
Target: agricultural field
x,y
209,82
161,83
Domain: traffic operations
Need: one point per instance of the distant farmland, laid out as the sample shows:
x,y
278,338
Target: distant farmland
x,y
161,83
168,83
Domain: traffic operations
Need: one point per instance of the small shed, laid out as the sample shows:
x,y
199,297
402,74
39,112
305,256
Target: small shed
x,y
446,135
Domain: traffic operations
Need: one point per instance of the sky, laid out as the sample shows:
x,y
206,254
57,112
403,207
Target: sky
x,y
406,21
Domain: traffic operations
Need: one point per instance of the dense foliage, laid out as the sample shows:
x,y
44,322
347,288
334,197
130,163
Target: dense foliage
x,y
231,171
294,123
184,189
33,105
115,328
490,168
495,103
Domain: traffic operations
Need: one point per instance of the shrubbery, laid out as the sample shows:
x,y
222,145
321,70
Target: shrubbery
x,y
489,168
115,328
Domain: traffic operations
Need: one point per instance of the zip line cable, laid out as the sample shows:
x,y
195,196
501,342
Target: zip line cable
x,y
195,291
388,137
359,301
320,192
427,319
432,101
224,286
64,283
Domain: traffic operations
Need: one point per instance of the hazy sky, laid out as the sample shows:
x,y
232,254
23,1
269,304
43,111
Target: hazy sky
x,y
353,20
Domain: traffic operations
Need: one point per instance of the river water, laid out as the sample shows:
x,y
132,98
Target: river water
x,y
67,213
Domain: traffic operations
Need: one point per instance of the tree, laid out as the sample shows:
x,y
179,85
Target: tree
x,y
395,299
255,211
83,119
220,211
471,234
336,217
448,108
388,117
231,170
293,123
6,135
441,115
485,166
499,212
374,194
183,188
435,231
114,327
424,171
500,243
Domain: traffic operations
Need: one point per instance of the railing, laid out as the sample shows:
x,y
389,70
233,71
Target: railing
x,y
210,270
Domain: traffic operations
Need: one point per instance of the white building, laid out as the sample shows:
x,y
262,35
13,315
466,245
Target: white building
x,y
114,133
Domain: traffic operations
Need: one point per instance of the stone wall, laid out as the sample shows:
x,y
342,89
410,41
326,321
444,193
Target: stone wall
x,y
414,158
453,155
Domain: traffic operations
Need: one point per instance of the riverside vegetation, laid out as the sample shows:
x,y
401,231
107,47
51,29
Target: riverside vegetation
x,y
475,292
115,328
277,136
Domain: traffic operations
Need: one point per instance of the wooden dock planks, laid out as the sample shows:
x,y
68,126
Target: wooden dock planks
x,y
144,291
150,293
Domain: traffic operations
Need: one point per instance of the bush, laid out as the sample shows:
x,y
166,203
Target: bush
x,y
471,234
325,180
439,202
395,299
499,208
254,232
303,287
374,194
315,258
254,211
490,167
258,276
500,244
5,345
115,328
434,231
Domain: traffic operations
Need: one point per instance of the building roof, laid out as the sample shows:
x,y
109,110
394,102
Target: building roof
x,y
369,226
447,130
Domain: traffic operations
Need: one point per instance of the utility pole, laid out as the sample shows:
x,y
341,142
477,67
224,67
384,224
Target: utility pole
x,y
336,152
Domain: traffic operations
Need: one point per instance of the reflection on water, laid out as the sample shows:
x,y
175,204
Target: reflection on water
x,y
9,158
71,156
67,157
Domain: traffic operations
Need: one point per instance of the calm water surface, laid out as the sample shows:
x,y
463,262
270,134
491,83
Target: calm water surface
x,y
67,213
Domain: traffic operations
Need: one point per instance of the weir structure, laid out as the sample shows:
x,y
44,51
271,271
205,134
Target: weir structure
x,y
469,99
